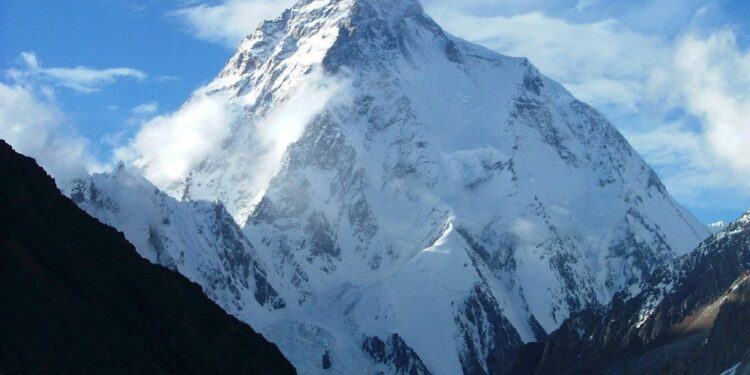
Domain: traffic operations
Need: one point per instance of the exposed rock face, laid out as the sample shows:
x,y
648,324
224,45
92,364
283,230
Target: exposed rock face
x,y
394,179
689,318
491,342
77,298
729,339
395,356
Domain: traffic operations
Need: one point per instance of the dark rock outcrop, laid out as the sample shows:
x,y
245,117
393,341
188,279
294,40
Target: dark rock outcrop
x,y
490,341
395,354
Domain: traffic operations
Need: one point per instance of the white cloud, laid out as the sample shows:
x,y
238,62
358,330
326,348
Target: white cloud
x,y
166,147
33,123
713,77
286,123
30,59
527,232
686,163
702,155
145,109
230,21
34,126
80,78
168,78
585,4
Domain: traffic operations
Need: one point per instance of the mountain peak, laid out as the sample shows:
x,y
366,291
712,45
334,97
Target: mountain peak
x,y
363,131
340,33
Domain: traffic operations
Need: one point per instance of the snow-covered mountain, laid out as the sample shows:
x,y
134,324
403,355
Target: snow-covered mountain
x,y
195,238
415,203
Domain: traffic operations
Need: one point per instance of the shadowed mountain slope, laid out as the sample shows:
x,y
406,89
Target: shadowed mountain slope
x,y
77,298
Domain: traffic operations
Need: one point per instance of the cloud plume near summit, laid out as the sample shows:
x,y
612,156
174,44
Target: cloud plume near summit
x,y
167,147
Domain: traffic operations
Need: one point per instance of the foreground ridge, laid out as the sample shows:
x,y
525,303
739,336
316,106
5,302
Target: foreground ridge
x,y
77,298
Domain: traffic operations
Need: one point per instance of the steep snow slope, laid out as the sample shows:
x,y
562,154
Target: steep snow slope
x,y
198,239
421,203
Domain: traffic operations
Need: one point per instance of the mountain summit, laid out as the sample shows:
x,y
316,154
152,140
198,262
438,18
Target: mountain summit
x,y
421,204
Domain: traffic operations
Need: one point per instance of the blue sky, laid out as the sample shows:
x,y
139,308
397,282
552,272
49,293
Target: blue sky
x,y
81,77
105,34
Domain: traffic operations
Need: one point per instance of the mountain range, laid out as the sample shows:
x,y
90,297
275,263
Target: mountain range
x,y
384,197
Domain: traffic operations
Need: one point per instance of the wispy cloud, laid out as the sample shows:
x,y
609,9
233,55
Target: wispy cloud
x,y
713,76
34,125
145,109
684,159
32,121
168,78
166,147
229,21
81,79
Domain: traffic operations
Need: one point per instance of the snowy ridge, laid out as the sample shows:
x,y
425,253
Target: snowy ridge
x,y
391,179
198,239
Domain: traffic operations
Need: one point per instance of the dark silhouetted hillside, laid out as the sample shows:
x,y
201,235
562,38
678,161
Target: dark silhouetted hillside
x,y
77,298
